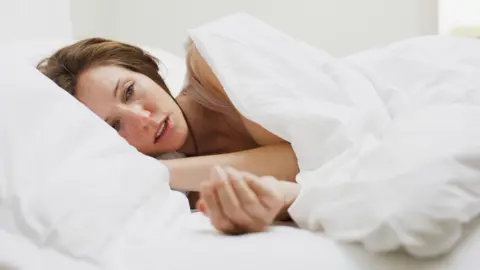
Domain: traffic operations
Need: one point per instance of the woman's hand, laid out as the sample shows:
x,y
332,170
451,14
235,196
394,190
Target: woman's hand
x,y
238,202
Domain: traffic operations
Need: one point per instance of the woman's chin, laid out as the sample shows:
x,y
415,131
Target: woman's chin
x,y
169,147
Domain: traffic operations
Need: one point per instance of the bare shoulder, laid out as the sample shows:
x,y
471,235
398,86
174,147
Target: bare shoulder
x,y
202,72
198,68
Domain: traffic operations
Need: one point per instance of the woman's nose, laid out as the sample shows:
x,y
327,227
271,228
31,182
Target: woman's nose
x,y
141,118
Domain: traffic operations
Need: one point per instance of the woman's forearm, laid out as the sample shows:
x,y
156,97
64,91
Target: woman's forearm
x,y
277,160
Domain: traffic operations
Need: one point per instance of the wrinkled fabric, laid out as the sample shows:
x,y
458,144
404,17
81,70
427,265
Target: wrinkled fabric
x,y
387,140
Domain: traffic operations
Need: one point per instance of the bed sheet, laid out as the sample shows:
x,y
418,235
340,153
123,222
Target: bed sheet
x,y
196,245
19,253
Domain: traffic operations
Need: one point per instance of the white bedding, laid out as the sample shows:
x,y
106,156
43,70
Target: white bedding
x,y
74,195
172,67
70,184
387,140
285,247
195,245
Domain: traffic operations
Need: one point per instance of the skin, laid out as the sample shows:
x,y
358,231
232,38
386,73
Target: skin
x,y
136,107
239,202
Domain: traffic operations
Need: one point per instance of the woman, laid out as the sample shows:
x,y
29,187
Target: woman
x,y
387,139
122,85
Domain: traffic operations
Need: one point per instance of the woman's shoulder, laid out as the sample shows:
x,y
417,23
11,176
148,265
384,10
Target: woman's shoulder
x,y
199,70
204,86
201,83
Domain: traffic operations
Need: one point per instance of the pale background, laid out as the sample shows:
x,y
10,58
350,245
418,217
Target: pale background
x,y
338,26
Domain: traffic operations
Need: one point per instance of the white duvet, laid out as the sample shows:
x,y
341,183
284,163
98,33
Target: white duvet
x,y
386,142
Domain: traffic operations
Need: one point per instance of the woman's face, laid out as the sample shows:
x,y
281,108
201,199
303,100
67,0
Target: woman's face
x,y
134,105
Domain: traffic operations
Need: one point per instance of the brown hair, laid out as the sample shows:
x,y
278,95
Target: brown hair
x,y
66,64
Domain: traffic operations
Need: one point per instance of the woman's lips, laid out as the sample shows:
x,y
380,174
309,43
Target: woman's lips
x,y
162,129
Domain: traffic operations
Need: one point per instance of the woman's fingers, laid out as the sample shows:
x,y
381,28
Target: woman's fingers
x,y
213,209
232,207
239,202
200,205
247,198
265,190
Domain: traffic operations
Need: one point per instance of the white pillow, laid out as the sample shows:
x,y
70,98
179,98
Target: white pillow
x,y
69,182
172,67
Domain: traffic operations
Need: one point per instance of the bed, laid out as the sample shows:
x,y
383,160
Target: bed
x,y
77,198
195,245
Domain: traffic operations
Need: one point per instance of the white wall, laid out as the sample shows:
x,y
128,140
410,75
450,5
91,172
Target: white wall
x,y
338,26
458,13
93,17
33,19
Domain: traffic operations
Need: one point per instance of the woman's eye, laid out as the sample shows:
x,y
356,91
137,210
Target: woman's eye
x,y
116,125
128,93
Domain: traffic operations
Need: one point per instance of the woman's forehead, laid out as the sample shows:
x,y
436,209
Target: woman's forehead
x,y
95,88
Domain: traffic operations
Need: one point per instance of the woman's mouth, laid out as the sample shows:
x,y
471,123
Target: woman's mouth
x,y
162,129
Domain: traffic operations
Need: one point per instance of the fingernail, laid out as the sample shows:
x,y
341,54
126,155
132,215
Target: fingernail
x,y
214,173
220,173
234,173
201,207
231,169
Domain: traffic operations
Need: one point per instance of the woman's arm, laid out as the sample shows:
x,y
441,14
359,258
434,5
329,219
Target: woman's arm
x,y
276,160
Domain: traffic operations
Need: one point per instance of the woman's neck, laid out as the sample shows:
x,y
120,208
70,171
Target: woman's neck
x,y
198,128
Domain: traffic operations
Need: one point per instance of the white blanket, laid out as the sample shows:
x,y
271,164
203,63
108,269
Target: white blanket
x,y
388,140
